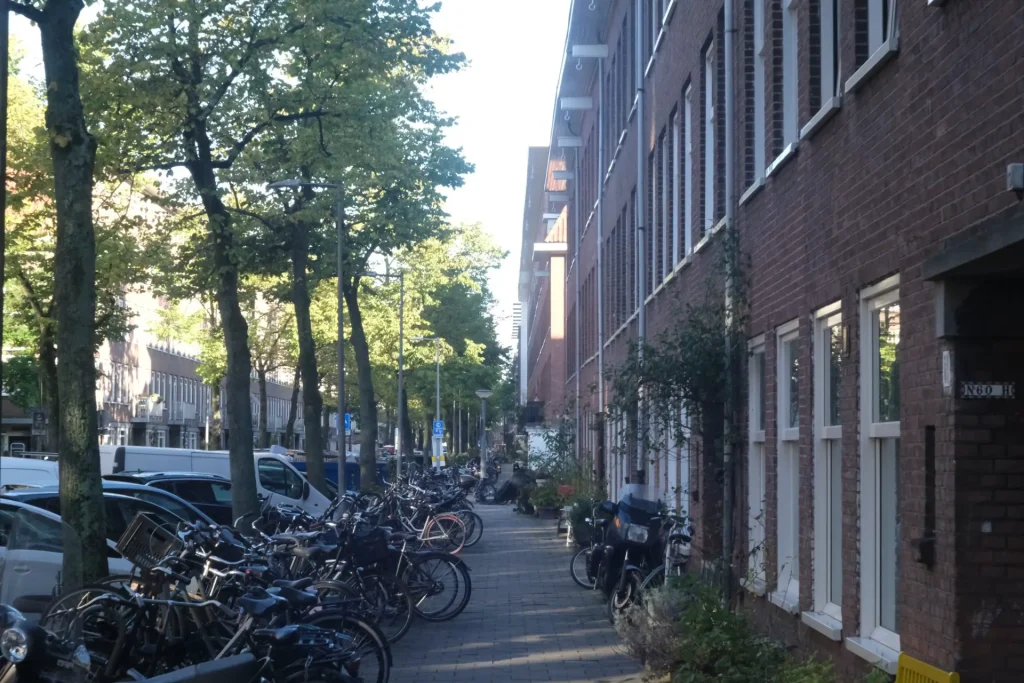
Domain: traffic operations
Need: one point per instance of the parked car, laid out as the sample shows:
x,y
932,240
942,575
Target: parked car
x,y
162,497
210,493
276,478
27,472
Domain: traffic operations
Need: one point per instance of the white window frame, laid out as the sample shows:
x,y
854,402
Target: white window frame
x,y
883,41
666,229
828,13
677,161
161,438
760,57
827,613
872,432
688,171
787,466
756,470
790,74
709,139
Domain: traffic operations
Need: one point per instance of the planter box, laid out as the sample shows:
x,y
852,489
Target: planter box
x,y
548,512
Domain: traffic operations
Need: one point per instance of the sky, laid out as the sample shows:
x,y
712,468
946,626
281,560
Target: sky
x,y
503,100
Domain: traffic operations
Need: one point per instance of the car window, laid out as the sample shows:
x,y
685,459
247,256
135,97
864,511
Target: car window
x,y
222,492
194,490
166,502
6,519
164,485
32,530
121,511
277,478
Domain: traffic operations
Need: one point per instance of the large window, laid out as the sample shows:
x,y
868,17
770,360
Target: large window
x,y
755,126
828,473
787,414
664,189
676,193
709,140
824,52
790,73
879,466
688,171
756,467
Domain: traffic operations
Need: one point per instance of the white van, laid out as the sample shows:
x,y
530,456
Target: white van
x,y
276,478
27,472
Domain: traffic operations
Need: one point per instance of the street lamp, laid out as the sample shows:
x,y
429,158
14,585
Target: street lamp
x,y
437,438
401,359
339,218
483,395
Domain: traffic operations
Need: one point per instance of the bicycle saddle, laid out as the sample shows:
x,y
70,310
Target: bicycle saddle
x,y
277,636
296,598
300,584
258,605
400,536
311,552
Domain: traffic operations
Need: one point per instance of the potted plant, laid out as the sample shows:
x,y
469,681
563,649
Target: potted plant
x,y
546,500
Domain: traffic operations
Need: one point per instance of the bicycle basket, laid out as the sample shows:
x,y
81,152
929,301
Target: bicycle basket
x,y
370,548
145,542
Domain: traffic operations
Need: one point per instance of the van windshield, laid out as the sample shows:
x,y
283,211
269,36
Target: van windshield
x,y
277,478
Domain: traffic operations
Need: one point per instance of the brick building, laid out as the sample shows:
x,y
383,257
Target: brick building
x,y
858,151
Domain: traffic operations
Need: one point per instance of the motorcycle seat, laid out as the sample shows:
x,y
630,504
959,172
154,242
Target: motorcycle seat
x,y
299,584
277,636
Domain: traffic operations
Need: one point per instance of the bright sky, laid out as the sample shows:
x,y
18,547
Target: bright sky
x,y
503,100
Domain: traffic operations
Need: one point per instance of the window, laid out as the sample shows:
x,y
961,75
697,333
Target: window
x,y
676,193
790,74
876,34
709,140
756,467
879,463
824,53
194,490
664,189
176,507
787,413
881,23
688,171
30,530
828,473
755,95
277,478
222,492
161,439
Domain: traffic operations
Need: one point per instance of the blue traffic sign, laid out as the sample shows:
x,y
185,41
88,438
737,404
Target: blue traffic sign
x,y
348,424
439,428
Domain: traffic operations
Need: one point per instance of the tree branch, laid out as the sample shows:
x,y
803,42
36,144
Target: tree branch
x,y
28,11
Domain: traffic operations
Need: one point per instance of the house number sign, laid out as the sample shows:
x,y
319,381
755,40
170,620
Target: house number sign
x,y
988,390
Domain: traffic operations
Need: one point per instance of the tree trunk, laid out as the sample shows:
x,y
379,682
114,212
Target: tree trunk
x,y
367,401
289,432
216,441
264,432
73,151
312,402
236,333
406,426
49,395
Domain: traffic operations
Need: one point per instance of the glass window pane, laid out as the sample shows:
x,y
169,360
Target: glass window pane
x,y
759,360
887,340
888,530
792,371
834,344
835,522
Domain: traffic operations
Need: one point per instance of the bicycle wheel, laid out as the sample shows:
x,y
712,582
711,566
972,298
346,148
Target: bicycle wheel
x,y
439,585
445,532
389,601
654,580
485,493
579,568
474,526
367,654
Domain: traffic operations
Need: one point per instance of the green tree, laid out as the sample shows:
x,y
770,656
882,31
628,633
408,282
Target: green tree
x,y
271,338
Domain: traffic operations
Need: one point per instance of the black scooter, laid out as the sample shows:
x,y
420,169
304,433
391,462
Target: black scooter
x,y
632,548
31,654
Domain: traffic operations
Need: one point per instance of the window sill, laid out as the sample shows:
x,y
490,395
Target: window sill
x,y
702,243
649,67
788,153
668,13
829,627
752,190
875,62
827,111
785,601
683,262
660,39
632,111
754,586
885,658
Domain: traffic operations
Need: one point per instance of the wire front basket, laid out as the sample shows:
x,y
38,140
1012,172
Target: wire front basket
x,y
146,542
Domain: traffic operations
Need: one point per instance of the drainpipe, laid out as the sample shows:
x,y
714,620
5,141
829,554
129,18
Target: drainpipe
x,y
641,216
576,279
601,465
729,474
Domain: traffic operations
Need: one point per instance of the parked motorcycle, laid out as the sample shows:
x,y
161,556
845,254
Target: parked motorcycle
x,y
632,548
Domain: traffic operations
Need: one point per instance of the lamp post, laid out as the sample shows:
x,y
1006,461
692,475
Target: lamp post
x,y
339,218
399,438
483,395
436,440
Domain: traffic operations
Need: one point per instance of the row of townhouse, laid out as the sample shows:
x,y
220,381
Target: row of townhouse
x,y
860,151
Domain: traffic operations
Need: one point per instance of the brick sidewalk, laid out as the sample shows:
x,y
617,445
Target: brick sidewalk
x,y
526,620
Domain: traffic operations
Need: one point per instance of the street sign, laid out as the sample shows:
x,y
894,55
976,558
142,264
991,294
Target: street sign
x,y
348,424
38,423
439,428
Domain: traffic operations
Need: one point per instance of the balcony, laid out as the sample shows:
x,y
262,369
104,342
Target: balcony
x,y
148,409
182,413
